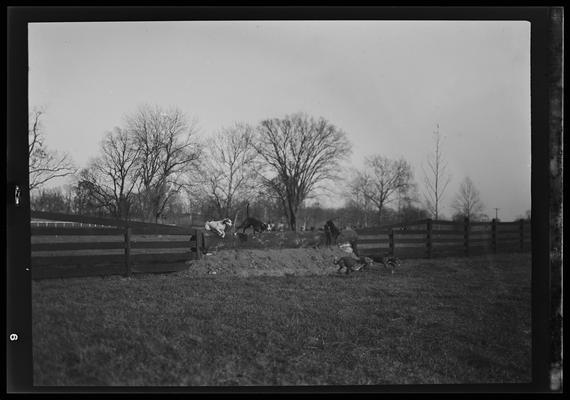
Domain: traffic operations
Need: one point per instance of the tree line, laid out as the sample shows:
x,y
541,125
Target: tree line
x,y
155,167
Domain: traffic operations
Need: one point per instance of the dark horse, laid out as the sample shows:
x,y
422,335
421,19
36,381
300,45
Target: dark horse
x,y
331,232
254,223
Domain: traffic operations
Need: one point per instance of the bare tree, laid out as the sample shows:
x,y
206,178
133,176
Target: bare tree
x,y
356,200
52,200
467,202
300,153
45,164
382,181
409,205
168,151
228,170
112,177
83,201
436,178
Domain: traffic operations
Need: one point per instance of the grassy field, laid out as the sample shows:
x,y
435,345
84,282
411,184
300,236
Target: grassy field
x,y
437,321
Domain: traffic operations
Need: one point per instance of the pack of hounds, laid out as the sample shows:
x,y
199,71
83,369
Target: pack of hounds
x,y
349,263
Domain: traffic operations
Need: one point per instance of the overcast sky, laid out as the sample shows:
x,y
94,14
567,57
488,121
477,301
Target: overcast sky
x,y
387,84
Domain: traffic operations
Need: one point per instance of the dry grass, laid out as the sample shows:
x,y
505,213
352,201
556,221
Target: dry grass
x,y
434,321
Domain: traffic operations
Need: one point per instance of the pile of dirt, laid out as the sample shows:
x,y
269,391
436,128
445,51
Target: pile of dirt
x,y
269,262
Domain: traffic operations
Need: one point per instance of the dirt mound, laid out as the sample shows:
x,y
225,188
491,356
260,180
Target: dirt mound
x,y
273,240
269,262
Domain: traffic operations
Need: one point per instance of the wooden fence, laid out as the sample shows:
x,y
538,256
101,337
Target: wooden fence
x,y
92,246
76,246
431,238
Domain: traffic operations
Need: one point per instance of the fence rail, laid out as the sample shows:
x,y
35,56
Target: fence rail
x,y
57,218
438,238
94,246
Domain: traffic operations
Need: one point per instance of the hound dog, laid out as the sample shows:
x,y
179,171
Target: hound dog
x,y
218,227
351,264
364,262
391,262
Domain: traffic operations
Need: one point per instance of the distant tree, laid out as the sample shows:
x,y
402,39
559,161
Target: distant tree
x,y
228,171
382,181
357,214
467,202
359,206
174,209
50,200
413,213
436,178
111,178
44,164
84,202
68,193
299,153
409,207
457,217
168,152
266,206
526,216
315,215
390,216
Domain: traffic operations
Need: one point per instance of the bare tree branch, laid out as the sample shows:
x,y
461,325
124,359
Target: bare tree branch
x,y
112,178
436,179
299,152
381,179
168,151
229,176
467,202
44,164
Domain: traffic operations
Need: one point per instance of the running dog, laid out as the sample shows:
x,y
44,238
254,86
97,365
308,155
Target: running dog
x,y
218,227
364,262
351,264
390,262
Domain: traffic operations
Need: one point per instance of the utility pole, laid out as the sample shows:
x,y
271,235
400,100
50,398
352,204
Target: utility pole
x,y
497,214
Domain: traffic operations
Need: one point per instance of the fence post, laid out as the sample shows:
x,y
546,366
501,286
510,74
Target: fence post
x,y
194,240
128,251
199,244
466,235
391,242
429,227
494,235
